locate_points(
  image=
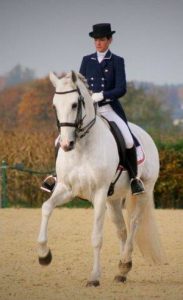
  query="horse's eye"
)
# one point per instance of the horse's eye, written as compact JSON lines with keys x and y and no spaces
{"x":74,"y":105}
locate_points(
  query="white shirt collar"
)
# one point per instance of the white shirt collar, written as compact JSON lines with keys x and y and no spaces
{"x":101,"y":55}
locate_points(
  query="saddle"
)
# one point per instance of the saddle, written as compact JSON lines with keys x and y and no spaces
{"x":119,"y":141}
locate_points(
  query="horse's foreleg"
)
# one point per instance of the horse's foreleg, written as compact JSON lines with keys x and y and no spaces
{"x":61,"y":195}
{"x":97,"y":235}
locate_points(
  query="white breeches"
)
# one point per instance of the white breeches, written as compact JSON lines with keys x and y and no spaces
{"x":110,"y":115}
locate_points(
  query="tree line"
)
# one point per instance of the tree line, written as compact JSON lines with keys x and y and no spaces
{"x":28,"y":129}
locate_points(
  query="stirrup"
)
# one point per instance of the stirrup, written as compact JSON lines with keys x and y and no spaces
{"x":137,"y":186}
{"x":48,"y":184}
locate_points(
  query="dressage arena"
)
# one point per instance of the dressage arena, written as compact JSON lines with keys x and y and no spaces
{"x":22,"y":278}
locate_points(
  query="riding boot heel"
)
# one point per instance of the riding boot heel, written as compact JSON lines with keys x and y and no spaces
{"x":137,"y":186}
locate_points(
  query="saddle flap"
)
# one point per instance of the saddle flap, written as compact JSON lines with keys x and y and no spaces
{"x":119,"y":141}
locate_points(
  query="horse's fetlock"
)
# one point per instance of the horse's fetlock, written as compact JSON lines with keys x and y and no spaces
{"x":95,"y":275}
{"x":43,"y":249}
{"x":97,"y":243}
{"x":125,"y":267}
{"x":122,"y":234}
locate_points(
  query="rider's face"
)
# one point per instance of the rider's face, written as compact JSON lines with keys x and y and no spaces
{"x":102,"y":44}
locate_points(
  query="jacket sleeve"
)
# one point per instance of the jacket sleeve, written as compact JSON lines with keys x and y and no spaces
{"x":120,"y":81}
{"x":82,"y":69}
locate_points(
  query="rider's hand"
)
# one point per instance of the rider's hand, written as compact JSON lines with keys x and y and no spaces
{"x":96,"y":97}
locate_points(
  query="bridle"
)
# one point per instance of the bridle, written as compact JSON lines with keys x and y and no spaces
{"x":79,"y":131}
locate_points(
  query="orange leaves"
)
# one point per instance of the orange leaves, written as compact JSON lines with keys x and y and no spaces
{"x":169,"y":188}
{"x":35,"y":108}
{"x":28,"y":106}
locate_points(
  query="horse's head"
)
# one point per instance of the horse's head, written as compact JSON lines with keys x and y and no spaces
{"x":69,"y":105}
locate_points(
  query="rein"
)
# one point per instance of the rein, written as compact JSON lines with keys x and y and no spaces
{"x":79,"y":120}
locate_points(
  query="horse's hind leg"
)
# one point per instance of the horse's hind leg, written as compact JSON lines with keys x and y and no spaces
{"x":61,"y":195}
{"x":138,"y":205}
{"x":114,"y":208}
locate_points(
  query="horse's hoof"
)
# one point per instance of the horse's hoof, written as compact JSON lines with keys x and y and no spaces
{"x":94,"y":283}
{"x":120,"y":278}
{"x":44,"y":261}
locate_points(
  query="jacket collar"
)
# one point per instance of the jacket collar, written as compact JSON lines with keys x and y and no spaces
{"x":107,"y":56}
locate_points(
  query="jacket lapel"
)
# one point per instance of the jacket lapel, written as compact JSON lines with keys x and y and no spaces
{"x":98,"y":67}
{"x":94,"y":57}
{"x":108,"y":55}
{"x":106,"y":60}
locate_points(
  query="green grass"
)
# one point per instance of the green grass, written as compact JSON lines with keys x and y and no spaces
{"x":78,"y":203}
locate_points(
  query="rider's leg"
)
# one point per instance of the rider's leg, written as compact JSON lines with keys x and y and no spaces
{"x":137,"y":186}
{"x":131,"y":156}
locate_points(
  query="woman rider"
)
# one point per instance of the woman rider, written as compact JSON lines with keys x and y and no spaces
{"x":105,"y":74}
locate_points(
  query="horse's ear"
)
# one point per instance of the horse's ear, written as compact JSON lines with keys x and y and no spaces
{"x":74,"y":77}
{"x":53,"y":78}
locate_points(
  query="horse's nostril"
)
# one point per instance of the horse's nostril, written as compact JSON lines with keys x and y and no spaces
{"x":71,"y":144}
{"x":67,"y":146}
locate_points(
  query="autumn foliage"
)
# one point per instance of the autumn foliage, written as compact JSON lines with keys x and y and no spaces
{"x":35,"y":109}
{"x":27,"y":106}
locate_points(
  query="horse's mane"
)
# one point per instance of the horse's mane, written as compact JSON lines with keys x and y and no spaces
{"x":84,"y":81}
{"x":80,"y":77}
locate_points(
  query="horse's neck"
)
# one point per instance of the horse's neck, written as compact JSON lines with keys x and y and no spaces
{"x":97,"y":132}
{"x":89,"y":107}
{"x":94,"y":138}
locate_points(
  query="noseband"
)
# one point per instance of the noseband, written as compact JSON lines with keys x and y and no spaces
{"x":79,"y":120}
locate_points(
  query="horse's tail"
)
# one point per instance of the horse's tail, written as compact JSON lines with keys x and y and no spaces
{"x":147,"y":236}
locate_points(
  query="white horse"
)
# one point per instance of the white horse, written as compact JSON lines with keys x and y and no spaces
{"x":87,"y":172}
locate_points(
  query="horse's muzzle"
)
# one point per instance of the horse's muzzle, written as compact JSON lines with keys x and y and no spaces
{"x":67,"y":146}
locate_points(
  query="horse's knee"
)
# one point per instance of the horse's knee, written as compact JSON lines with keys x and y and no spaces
{"x":47,"y":208}
{"x":134,"y":223}
{"x":97,"y":240}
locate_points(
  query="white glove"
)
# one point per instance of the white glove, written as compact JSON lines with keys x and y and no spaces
{"x":96,"y":97}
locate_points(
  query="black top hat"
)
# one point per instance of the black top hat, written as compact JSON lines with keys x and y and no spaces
{"x":101,"y":30}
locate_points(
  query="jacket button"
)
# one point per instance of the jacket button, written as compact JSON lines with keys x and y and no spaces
{"x":106,"y":70}
{"x":103,"y":78}
{"x":92,"y":84}
{"x":102,"y":85}
{"x":91,"y":78}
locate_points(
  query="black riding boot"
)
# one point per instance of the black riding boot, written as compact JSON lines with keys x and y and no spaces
{"x":49,"y":182}
{"x":137,"y":186}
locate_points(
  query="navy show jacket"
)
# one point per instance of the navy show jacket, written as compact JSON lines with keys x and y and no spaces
{"x":108,"y":77}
